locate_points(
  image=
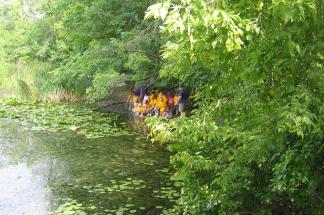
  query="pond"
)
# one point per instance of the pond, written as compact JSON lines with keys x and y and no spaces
{"x":46,"y":172}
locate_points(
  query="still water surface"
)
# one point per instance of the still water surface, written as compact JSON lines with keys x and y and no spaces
{"x":44,"y":172}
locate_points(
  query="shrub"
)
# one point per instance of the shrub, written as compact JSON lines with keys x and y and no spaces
{"x":103,"y":83}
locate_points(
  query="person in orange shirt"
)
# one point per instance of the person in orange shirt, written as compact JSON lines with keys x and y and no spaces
{"x":135,"y":103}
{"x":152,"y":100}
{"x":162,"y":103}
{"x":162,"y":106}
{"x":130,"y":101}
{"x":176,"y":101}
{"x":152,"y":104}
{"x":141,"y":110}
{"x":138,"y":109}
{"x":163,"y":96}
{"x":135,"y":107}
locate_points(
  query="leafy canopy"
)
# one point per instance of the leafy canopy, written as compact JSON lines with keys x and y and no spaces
{"x":254,"y":143}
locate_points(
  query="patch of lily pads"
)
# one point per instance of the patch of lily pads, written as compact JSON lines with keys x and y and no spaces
{"x":117,"y":186}
{"x":81,"y":119}
{"x":123,"y":189}
{"x":72,"y":207}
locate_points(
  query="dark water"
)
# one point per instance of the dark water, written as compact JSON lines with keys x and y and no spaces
{"x":61,"y":173}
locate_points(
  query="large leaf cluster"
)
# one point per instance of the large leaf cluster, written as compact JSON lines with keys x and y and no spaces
{"x":254,"y":143}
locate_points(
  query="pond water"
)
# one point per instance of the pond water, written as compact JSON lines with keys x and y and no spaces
{"x":44,"y":172}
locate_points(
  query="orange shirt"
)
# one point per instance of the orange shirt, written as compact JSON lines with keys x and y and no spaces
{"x":138,"y":108}
{"x":162,"y":102}
{"x":135,"y":99}
{"x":152,"y":101}
{"x":176,"y":99}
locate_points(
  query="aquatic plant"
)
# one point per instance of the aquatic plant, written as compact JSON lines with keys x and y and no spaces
{"x":81,"y":119}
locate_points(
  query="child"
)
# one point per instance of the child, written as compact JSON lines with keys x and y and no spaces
{"x":182,"y":103}
{"x":156,"y":110}
{"x":138,"y":108}
{"x":146,"y":98}
{"x":130,"y":99}
{"x":162,"y":105}
{"x":135,"y":99}
{"x":135,"y":107}
{"x":176,"y":105}
{"x":146,"y":108}
{"x":170,"y":102}
{"x":168,"y":113}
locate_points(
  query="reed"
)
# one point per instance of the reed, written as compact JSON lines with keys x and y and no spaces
{"x":23,"y":89}
{"x":59,"y":95}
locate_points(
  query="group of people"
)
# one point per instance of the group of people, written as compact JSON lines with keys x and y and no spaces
{"x":143,"y":102}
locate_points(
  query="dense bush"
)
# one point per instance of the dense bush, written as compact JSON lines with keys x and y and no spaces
{"x":103,"y":84}
{"x":254,"y":143}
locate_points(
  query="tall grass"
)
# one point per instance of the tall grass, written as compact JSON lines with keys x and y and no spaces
{"x":30,"y":81}
{"x":24,"y":89}
{"x":6,"y":69}
{"x":24,"y":78}
{"x":59,"y":95}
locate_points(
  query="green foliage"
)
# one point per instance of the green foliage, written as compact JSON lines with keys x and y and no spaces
{"x":254,"y":142}
{"x":81,"y":40}
{"x":103,"y":83}
{"x":142,"y":66}
{"x":95,"y":38}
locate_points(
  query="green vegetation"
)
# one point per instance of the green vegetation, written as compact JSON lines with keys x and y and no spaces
{"x":50,"y":49}
{"x":254,"y":143}
{"x":254,"y":140}
{"x":63,"y":117}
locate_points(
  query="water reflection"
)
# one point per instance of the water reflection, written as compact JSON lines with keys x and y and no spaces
{"x":43,"y":171}
{"x":22,"y":192}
